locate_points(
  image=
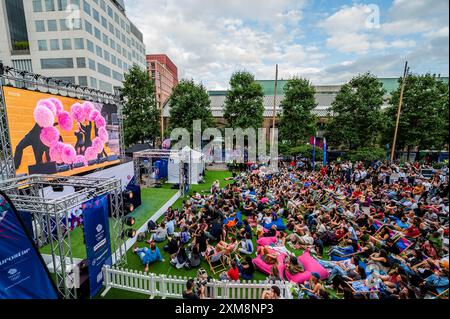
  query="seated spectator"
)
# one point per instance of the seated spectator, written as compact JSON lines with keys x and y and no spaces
{"x":149,"y":255}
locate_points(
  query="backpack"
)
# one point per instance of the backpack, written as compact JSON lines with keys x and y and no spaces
{"x":151,"y":225}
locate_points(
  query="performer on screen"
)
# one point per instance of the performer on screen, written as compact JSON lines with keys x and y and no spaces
{"x":103,"y":153}
{"x":87,"y":132}
{"x":39,"y":149}
{"x":79,"y":146}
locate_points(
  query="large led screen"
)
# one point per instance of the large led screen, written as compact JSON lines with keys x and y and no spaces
{"x":52,"y":134}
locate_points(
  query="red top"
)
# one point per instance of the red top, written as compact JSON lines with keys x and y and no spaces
{"x":233,"y":274}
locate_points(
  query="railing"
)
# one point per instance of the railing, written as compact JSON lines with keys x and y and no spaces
{"x":173,"y":286}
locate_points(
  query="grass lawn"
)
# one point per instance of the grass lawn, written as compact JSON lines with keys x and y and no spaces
{"x":165,"y":268}
{"x":152,"y":200}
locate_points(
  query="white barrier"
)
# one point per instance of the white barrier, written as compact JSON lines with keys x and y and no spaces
{"x":173,"y":286}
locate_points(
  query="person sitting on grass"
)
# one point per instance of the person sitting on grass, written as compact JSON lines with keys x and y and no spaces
{"x":159,"y":234}
{"x":247,"y":229}
{"x":246,"y":268}
{"x":247,"y":245}
{"x":180,"y":258}
{"x":149,"y":255}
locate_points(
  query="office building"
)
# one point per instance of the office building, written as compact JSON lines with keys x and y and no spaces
{"x":165,"y":75}
{"x":87,"y":42}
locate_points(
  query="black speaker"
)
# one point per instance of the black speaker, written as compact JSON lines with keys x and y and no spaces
{"x":46,"y":168}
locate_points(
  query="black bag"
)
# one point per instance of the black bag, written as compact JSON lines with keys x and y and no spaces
{"x":141,"y":237}
{"x":151,"y":225}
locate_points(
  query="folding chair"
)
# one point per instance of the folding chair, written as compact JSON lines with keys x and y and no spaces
{"x":216,"y":262}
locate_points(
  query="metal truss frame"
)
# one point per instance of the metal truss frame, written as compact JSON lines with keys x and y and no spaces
{"x":29,"y":81}
{"x":27,"y":194}
{"x":150,"y":154}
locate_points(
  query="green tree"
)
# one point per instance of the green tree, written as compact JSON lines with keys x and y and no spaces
{"x":141,"y":116}
{"x":424,"y":115}
{"x":244,"y":102}
{"x":189,"y":102}
{"x":357,"y":119}
{"x":297,"y":120}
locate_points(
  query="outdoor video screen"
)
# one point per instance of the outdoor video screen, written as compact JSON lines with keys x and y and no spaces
{"x":52,"y":134}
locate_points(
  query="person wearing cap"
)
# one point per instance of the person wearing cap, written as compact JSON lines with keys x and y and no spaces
{"x":313,"y":286}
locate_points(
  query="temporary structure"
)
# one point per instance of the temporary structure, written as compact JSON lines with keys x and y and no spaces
{"x":193,"y":159}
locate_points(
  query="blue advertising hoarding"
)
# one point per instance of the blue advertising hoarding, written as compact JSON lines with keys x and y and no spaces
{"x":23,"y":273}
{"x":98,"y":243}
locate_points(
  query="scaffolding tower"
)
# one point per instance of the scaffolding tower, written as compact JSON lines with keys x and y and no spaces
{"x":28,"y":195}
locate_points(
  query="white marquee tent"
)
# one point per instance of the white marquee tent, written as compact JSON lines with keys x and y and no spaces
{"x":196,"y":161}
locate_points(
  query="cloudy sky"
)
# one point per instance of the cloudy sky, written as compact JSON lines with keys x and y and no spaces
{"x":327,"y":41}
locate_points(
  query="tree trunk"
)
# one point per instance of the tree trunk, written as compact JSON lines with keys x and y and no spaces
{"x":408,"y":152}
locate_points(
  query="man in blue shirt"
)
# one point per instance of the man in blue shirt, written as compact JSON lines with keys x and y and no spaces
{"x":149,"y":255}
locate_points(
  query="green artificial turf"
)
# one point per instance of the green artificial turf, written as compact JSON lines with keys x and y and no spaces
{"x":152,"y":200}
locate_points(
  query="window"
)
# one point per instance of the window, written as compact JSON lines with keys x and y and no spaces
{"x":103,"y":69}
{"x":81,"y":63}
{"x":92,"y":65}
{"x":117,"y":76}
{"x":112,"y":44}
{"x":63,"y":25}
{"x":67,"y":44}
{"x":119,"y":63}
{"x":98,"y":34}
{"x":52,"y":25}
{"x":104,"y":22}
{"x":88,"y":26}
{"x":90,"y":46}
{"x":96,"y":15}
{"x":79,"y":43}
{"x":105,"y":86}
{"x":106,"y":55}
{"x":86,"y":7}
{"x":110,"y":12}
{"x":49,"y":5}
{"x":37,"y":5}
{"x":61,"y":63}
{"x":105,"y":39}
{"x":42,"y":45}
{"x":103,"y":5}
{"x":62,"y":5}
{"x":93,"y":82}
{"x":75,"y":3}
{"x":40,"y":25}
{"x":116,"y":18}
{"x":82,"y":80}
{"x":99,"y":51}
{"x":111,"y":28}
{"x":113,"y":59}
{"x":76,"y":23}
{"x":54,"y":44}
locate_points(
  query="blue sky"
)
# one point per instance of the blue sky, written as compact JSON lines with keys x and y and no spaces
{"x":327,"y":42}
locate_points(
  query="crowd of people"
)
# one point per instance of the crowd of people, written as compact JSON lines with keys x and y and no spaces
{"x":379,"y":230}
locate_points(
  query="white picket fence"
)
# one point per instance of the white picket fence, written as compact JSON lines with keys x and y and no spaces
{"x":173,"y":286}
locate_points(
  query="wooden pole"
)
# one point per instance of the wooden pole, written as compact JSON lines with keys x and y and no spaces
{"x":400,"y":102}
{"x":274,"y":115}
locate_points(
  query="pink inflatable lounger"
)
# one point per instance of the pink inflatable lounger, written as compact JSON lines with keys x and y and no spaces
{"x":311,"y":265}
{"x":265,"y":268}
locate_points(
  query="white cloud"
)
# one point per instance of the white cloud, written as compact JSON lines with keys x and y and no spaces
{"x":209,"y":40}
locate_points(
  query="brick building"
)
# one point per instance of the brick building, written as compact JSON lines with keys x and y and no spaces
{"x":165,"y":75}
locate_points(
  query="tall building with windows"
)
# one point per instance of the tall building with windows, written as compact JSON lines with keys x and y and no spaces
{"x":87,"y":42}
{"x":165,"y":75}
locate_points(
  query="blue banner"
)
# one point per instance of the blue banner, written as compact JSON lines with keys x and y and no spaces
{"x":23,"y":273}
{"x":324,"y":151}
{"x":98,"y":243}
